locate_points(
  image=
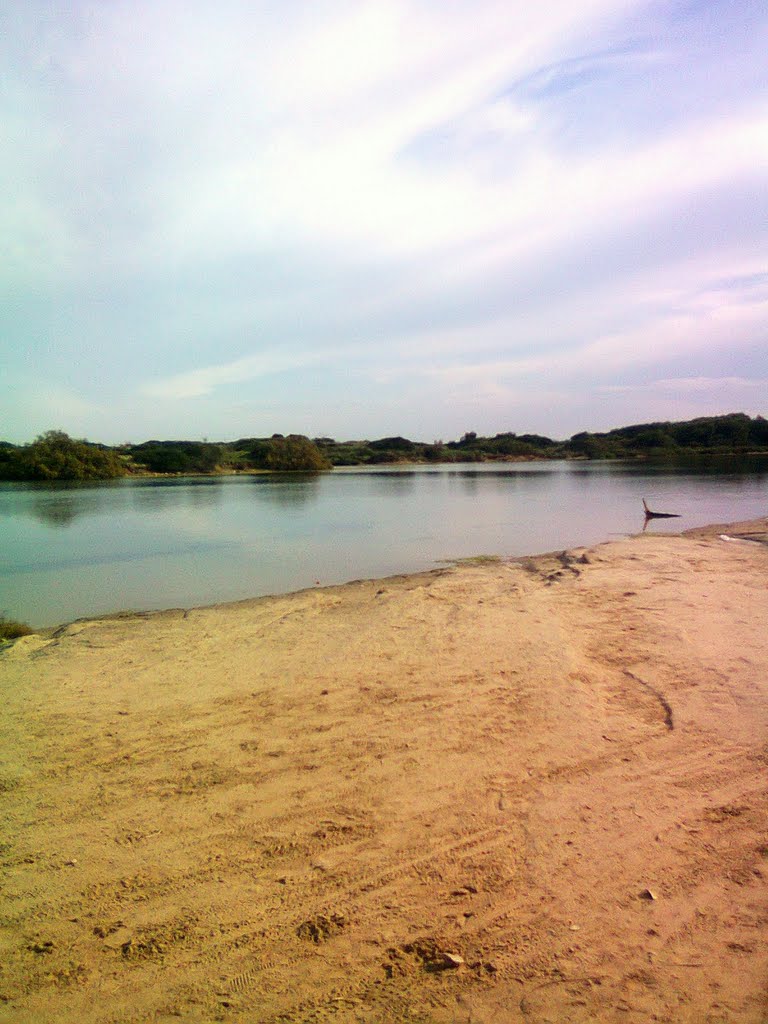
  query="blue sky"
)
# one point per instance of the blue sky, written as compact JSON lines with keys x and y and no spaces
{"x":357,"y":219}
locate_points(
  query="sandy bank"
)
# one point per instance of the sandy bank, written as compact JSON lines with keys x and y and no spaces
{"x":513,"y":791}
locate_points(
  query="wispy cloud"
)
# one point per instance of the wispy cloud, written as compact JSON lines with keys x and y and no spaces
{"x":207,"y":379}
{"x":686,"y":385}
{"x":212,"y":204}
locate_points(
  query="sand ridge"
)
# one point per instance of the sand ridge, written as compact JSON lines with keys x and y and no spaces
{"x":527,"y":790}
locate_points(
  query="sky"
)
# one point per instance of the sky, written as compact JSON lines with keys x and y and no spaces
{"x":359,"y":219}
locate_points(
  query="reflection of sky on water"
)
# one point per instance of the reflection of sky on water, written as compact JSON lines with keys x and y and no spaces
{"x":85,"y":550}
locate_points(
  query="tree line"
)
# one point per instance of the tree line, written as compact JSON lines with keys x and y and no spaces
{"x":56,"y":456}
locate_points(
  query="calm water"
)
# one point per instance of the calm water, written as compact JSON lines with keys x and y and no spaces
{"x":71,"y":551}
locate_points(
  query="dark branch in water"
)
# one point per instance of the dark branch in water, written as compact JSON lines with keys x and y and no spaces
{"x":658,"y":515}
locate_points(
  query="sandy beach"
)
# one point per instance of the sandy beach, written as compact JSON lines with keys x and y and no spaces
{"x":528,"y":790}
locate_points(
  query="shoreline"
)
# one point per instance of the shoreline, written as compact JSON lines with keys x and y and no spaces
{"x":755,"y":530}
{"x":514,"y":790}
{"x":682,"y":455}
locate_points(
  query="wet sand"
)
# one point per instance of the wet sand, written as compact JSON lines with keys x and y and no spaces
{"x":530,"y":790}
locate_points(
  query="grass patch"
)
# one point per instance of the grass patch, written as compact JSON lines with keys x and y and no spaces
{"x":8,"y":783}
{"x":471,"y":560}
{"x":12,"y":630}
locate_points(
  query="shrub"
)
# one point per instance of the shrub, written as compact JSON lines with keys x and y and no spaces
{"x":178,"y":456}
{"x":295,"y":453}
{"x":56,"y":456}
{"x":12,"y":630}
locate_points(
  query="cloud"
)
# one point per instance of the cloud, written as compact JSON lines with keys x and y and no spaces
{"x":289,"y":126}
{"x":210,"y":204}
{"x":690,"y":385}
{"x":302,"y":130}
{"x":194,"y":383}
{"x":576,"y":72}
{"x":605,"y":379}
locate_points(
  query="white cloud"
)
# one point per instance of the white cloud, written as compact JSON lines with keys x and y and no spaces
{"x":402,"y":167}
{"x":194,"y":383}
{"x":252,"y":129}
{"x":664,"y":338}
{"x":294,"y":129}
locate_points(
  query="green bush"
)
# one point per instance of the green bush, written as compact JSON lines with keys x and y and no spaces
{"x":12,"y":630}
{"x":295,"y":453}
{"x":177,"y":456}
{"x":56,"y":456}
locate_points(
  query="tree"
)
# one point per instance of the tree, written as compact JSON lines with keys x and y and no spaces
{"x":56,"y":456}
{"x":295,"y":453}
{"x":178,"y":456}
{"x":592,"y":446}
{"x":653,"y":438}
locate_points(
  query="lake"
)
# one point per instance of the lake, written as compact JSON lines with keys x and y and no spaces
{"x":70,"y":551}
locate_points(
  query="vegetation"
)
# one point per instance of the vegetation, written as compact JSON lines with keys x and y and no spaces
{"x":12,"y":630}
{"x":470,"y":448}
{"x":735,"y":433}
{"x":55,"y":456}
{"x":292,"y":454}
{"x":176,"y":457}
{"x":295,"y":453}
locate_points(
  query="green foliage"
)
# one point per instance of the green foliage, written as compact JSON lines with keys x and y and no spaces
{"x":295,"y":453}
{"x":56,"y":456}
{"x":258,"y":453}
{"x":12,"y":630}
{"x":437,"y":452}
{"x":590,"y":446}
{"x":648,"y":439}
{"x":758,"y":432}
{"x":345,"y":453}
{"x":719,"y":434}
{"x":7,"y":459}
{"x":471,"y":448}
{"x":710,"y":435}
{"x":393,"y":444}
{"x":177,"y":456}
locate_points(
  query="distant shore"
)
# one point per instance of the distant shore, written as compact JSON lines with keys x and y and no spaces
{"x":398,"y":464}
{"x":56,"y":455}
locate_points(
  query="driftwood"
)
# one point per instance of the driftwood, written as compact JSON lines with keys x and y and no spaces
{"x":659,"y":515}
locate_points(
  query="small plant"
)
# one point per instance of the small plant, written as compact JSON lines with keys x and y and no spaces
{"x":470,"y":560}
{"x":12,"y":630}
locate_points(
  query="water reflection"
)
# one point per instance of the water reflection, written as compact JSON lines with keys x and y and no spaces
{"x":752,"y":467}
{"x":714,"y":465}
{"x":470,"y":483}
{"x":61,"y":504}
{"x":290,"y":490}
{"x":183,"y":541}
{"x":161,"y":495}
{"x":513,"y":470}
{"x":397,"y":483}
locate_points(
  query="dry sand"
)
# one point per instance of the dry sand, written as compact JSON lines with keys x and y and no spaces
{"x":507,"y":791}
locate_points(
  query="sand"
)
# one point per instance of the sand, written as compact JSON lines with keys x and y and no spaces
{"x":529,"y":790}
